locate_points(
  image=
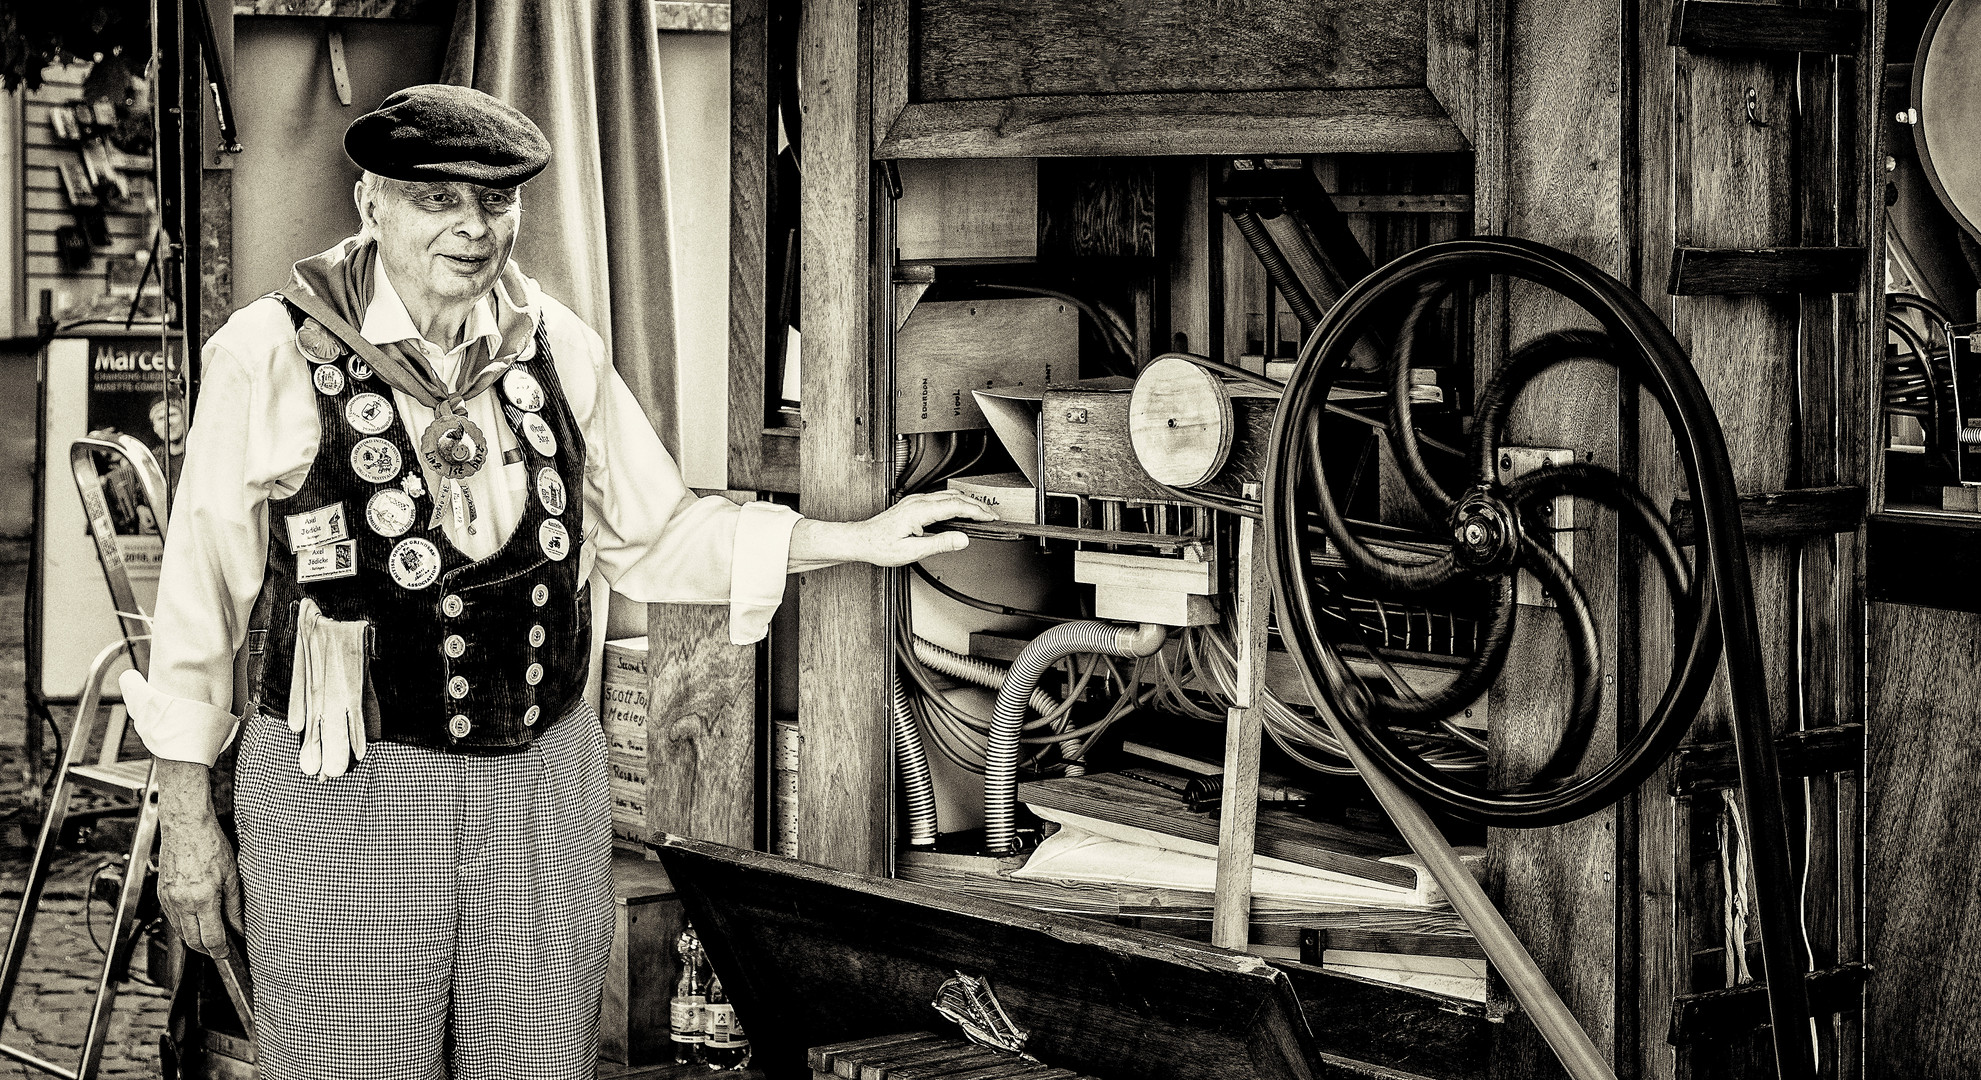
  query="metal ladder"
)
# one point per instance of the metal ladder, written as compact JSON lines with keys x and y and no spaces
{"x":135,"y":779}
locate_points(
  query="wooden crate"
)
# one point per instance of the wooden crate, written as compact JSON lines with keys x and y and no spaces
{"x":639,"y":980}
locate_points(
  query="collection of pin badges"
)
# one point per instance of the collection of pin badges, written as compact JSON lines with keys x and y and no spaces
{"x":453,"y":447}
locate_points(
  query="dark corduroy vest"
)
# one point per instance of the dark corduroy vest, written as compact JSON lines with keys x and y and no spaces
{"x":490,"y":652}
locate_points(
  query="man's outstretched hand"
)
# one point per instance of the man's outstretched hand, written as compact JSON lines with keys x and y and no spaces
{"x":896,"y":536}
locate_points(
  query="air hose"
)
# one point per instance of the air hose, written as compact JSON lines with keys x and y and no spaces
{"x":912,"y":759}
{"x":984,"y":673}
{"x":1008,"y":717}
{"x":1493,"y":538}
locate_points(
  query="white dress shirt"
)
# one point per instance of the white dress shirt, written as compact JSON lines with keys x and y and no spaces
{"x":254,"y":438}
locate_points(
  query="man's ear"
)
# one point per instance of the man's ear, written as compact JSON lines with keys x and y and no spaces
{"x":363,"y":204}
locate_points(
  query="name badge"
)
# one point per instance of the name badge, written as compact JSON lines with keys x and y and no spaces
{"x":327,"y":561}
{"x":323,"y":525}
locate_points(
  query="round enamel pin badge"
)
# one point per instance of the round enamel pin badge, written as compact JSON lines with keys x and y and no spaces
{"x":375,"y":460}
{"x":360,"y":371}
{"x":554,"y":539}
{"x":523,"y":390}
{"x":329,"y":379}
{"x":550,"y":490}
{"x":317,"y":342}
{"x":537,"y":431}
{"x":415,"y":563}
{"x":390,"y":512}
{"x":369,"y":413}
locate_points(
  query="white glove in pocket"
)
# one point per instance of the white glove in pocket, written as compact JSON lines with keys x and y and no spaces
{"x":327,"y":691}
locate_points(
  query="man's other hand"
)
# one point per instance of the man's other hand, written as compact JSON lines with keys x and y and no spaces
{"x":896,"y":536}
{"x":199,"y":885}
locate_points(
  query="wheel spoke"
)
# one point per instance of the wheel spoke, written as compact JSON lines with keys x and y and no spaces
{"x":1363,"y":561}
{"x":1585,"y":659}
{"x":1523,"y":367}
{"x":1402,"y":429}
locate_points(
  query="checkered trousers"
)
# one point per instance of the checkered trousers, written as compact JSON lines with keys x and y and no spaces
{"x":428,"y":914}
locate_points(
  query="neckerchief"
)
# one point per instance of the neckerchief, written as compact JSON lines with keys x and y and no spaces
{"x":336,"y":287}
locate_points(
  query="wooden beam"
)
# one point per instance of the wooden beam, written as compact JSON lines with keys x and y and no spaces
{"x":752,"y":149}
{"x":1716,"y":24}
{"x":1705,"y":767}
{"x":845,"y":788}
{"x":1093,"y":125}
{"x":1718,"y":1014}
{"x":1697,"y":271}
{"x":1231,"y":915}
{"x":1799,"y":514}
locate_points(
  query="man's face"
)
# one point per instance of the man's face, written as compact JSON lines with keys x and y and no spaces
{"x":167,"y":422}
{"x":444,"y":243}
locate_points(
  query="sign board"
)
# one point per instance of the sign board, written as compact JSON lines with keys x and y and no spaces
{"x":105,"y":385}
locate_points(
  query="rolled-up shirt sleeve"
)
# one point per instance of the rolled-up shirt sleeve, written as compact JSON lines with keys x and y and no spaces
{"x":215,"y":555}
{"x":656,"y":542}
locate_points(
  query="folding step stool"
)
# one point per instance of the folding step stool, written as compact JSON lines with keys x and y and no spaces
{"x":134,"y":779}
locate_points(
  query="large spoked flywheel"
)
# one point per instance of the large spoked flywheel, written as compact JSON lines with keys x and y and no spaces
{"x":1497,"y":528}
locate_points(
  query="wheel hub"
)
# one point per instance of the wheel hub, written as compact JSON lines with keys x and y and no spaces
{"x":1483,"y":533}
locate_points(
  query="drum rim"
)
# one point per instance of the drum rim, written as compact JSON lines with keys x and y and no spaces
{"x":1924,"y":152}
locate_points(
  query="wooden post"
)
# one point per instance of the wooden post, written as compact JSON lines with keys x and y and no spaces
{"x":1231,"y":914}
{"x":844,"y":650}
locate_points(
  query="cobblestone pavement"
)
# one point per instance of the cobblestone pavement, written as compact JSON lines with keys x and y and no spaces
{"x":58,"y":982}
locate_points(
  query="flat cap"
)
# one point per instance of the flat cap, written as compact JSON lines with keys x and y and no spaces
{"x":437,"y":133}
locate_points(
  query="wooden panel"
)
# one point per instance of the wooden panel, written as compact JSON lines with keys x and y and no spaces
{"x":640,"y":976}
{"x":1718,"y":24}
{"x":845,"y":784}
{"x":1562,"y":154}
{"x":701,"y":726}
{"x":975,"y":49}
{"x":1731,"y":272}
{"x":1786,"y":515}
{"x":1262,"y":122}
{"x":752,"y":146}
{"x":968,"y":210}
{"x":1923,"y":842}
{"x":947,"y":349}
{"x":1104,"y":208}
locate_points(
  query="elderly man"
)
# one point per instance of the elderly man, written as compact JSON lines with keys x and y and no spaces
{"x":403,"y":471}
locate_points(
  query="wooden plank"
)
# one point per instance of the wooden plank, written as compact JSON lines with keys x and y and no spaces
{"x":779,"y":456}
{"x":893,"y":40}
{"x":1435,"y":203}
{"x":1861,"y":344}
{"x":1451,"y":61}
{"x":845,"y":788}
{"x":1922,"y":842}
{"x":1719,"y":24}
{"x":977,"y":49}
{"x":1699,"y":271}
{"x":1797,"y":514}
{"x":1698,"y":768}
{"x":968,"y":210}
{"x":1719,"y":1014}
{"x":1244,"y":731}
{"x":428,"y":11}
{"x":1282,"y":834}
{"x":1562,"y":149}
{"x":752,"y":149}
{"x":701,"y":726}
{"x":1199,"y":578}
{"x":1261,"y":122}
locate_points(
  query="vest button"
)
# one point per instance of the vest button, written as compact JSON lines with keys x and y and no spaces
{"x":451,"y":606}
{"x":530,"y":715}
{"x":540,"y":595}
{"x":454,"y":646}
{"x":459,"y":726}
{"x":458,"y":686}
{"x":536,"y":636}
{"x":534,"y":675}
